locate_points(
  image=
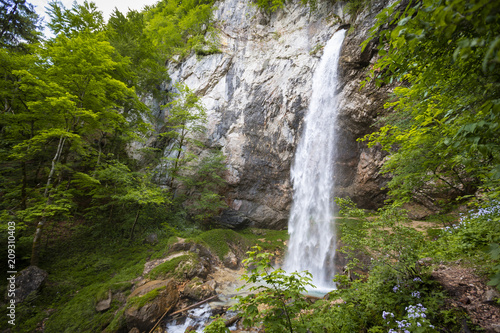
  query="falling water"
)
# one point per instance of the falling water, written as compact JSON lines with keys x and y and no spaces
{"x":311,"y":227}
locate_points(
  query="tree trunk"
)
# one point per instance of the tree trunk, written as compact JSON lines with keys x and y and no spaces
{"x":23,"y":188}
{"x":60,"y":146}
{"x":135,"y":222}
{"x":35,"y":249}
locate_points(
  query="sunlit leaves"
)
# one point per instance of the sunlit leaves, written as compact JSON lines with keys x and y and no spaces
{"x":446,"y":113}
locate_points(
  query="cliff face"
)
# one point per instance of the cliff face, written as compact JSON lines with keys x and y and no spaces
{"x":257,"y":91}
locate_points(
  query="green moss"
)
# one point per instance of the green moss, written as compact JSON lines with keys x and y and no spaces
{"x":170,"y":268}
{"x":79,"y":314}
{"x":218,"y":239}
{"x":267,"y":239}
{"x":117,"y":323}
{"x":140,"y":301}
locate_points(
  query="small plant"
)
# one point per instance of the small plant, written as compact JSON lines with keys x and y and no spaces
{"x":216,"y":326}
{"x":278,"y":301}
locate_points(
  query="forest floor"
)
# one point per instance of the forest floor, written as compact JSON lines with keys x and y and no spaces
{"x":470,"y":293}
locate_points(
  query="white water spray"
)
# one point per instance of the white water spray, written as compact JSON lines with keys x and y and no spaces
{"x":311,"y":226}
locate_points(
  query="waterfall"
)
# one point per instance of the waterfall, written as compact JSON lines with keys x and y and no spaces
{"x":311,"y":226}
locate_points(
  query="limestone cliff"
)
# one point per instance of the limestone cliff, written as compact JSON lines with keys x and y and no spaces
{"x":257,"y":90}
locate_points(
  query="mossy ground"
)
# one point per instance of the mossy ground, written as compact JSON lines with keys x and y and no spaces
{"x":83,"y":268}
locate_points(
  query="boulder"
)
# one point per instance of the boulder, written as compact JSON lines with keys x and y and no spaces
{"x":105,"y":304}
{"x":231,"y":219}
{"x":148,"y":303}
{"x":491,"y":296}
{"x":231,"y":261}
{"x":151,"y":239}
{"x":198,"y":291}
{"x":29,"y":280}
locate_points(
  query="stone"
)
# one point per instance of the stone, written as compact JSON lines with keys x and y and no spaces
{"x":105,"y":304}
{"x":144,"y":317}
{"x":231,"y":261}
{"x":199,"y":291}
{"x":151,"y":239}
{"x":28,"y":281}
{"x":231,"y":219}
{"x":134,"y":330}
{"x":491,"y":296}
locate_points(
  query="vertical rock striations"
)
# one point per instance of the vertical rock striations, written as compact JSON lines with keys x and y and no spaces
{"x":257,"y":90}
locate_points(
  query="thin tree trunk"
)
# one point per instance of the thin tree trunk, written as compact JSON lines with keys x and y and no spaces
{"x":60,"y":146}
{"x":35,"y":250}
{"x":23,"y":188}
{"x":135,"y":222}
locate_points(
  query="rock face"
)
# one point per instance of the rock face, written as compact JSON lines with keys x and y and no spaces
{"x":144,"y":317}
{"x":257,"y":90}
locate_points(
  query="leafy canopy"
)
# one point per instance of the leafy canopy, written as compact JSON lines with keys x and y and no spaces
{"x":446,"y":56}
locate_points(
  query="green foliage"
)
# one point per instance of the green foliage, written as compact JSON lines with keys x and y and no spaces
{"x":354,"y":7}
{"x":139,"y":301}
{"x":80,"y":18}
{"x":274,"y":5}
{"x":19,"y":24}
{"x":280,"y":293}
{"x":204,"y":181}
{"x":177,"y":26}
{"x":185,"y":120}
{"x":386,"y":238}
{"x":128,"y":35}
{"x":216,"y":326}
{"x":446,"y":112}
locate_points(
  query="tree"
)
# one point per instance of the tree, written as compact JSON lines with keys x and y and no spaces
{"x":127,"y":34}
{"x":18,"y":22}
{"x":177,"y":26}
{"x":446,"y":120}
{"x":80,"y":18}
{"x":203,"y":181}
{"x":73,"y":115}
{"x":185,"y":120}
{"x":446,"y":113}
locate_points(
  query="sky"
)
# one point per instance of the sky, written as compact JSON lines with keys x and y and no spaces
{"x":106,"y":6}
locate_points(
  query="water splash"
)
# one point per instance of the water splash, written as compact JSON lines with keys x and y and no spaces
{"x":311,"y":227}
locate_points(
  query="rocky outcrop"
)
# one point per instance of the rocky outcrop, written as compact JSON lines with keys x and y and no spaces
{"x":257,"y":90}
{"x":149,"y":302}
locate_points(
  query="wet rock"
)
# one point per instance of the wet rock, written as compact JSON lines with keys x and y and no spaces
{"x":28,"y":281}
{"x":196,"y":268}
{"x":160,"y":296}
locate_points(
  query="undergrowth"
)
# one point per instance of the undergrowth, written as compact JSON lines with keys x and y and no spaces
{"x":85,"y":267}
